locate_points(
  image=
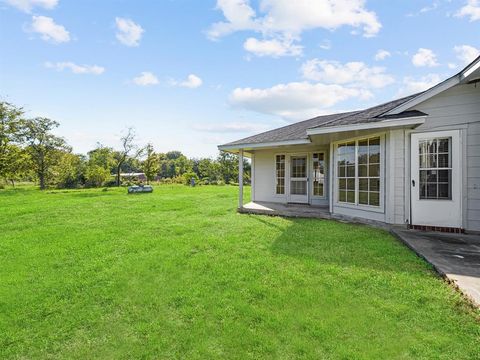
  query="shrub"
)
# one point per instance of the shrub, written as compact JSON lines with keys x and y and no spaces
{"x":96,"y":175}
{"x":187,"y":177}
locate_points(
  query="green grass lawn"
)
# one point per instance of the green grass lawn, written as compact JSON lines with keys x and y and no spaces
{"x":178,"y":274}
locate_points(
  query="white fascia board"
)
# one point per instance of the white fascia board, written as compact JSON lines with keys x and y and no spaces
{"x":469,"y":71}
{"x":263,"y":145}
{"x":417,"y":120}
{"x":437,"y":89}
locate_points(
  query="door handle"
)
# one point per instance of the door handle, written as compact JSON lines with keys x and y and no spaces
{"x":413,"y":183}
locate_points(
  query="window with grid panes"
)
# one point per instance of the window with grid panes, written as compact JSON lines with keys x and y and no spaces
{"x":280,"y":174}
{"x":358,"y":171}
{"x":318,"y":174}
{"x":346,"y":172}
{"x":368,"y":156}
{"x":435,"y":168}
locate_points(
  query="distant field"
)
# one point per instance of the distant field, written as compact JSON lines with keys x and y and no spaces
{"x":179,"y":274}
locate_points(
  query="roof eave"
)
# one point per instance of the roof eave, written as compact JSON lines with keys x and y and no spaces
{"x":247,"y":146}
{"x":437,"y":89}
{"x":407,"y":122}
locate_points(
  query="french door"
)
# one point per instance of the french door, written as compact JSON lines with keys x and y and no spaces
{"x":298,"y":179}
{"x":436,"y":179}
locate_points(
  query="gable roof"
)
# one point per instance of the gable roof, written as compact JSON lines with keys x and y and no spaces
{"x":468,"y":73}
{"x":387,"y":113}
{"x":298,"y":131}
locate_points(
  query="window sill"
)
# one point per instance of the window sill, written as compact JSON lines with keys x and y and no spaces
{"x":377,"y":209}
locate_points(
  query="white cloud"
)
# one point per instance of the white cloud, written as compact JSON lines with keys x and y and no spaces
{"x":273,"y":47}
{"x":286,"y":19}
{"x":466,"y":53}
{"x":235,"y":127}
{"x":239,"y":16}
{"x":293,"y":17}
{"x":356,"y":74}
{"x":192,"y":82}
{"x":425,"y":9}
{"x":382,"y":55}
{"x":76,"y":69}
{"x":295,"y":100}
{"x":128,"y":32}
{"x":452,"y":66}
{"x":424,"y":57}
{"x":471,"y":10}
{"x":412,"y":85}
{"x":49,"y":30}
{"x":145,"y":79}
{"x":28,"y":5}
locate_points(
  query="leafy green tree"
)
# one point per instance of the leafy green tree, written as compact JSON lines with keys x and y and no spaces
{"x":188,"y":176}
{"x":100,"y":166}
{"x":173,"y":155}
{"x":11,"y":133}
{"x":70,"y":170}
{"x":44,"y":147}
{"x":96,"y":175}
{"x":209,"y":169}
{"x":229,"y":167}
{"x":151,"y":164}
{"x":103,"y":157}
{"x":182,"y":165}
{"x":16,"y":164}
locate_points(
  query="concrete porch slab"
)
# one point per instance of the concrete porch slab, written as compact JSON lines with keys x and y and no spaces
{"x":454,"y":256}
{"x":287,"y":210}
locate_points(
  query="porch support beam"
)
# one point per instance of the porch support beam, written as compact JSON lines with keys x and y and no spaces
{"x":240,"y":178}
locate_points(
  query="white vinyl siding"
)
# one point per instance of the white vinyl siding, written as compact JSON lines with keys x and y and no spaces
{"x":473,"y":176}
{"x":459,"y":108}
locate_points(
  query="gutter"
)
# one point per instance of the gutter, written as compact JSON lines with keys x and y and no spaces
{"x":246,"y":146}
{"x":412,"y":121}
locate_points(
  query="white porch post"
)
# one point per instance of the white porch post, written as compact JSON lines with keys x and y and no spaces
{"x":240,"y":178}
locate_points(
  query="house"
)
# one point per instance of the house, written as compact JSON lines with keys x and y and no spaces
{"x":414,"y":161}
{"x":140,"y":176}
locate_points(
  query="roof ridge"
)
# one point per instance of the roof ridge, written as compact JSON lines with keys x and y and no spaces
{"x":297,"y":123}
{"x":347,"y":114}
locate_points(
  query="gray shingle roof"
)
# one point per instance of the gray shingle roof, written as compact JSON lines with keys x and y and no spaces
{"x":298,"y":131}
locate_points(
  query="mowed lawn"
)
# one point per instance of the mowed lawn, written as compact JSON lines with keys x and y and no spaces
{"x":178,"y":274}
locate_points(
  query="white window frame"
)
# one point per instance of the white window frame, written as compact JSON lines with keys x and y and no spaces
{"x":284,"y":195}
{"x":356,"y":205}
{"x":325,"y":175}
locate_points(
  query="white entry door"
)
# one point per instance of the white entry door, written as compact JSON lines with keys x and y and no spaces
{"x":298,"y":179}
{"x":436,"y":179}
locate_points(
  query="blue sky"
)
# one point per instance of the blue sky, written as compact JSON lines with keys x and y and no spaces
{"x":189,"y":75}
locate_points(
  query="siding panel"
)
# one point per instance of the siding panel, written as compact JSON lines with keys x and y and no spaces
{"x":459,"y":107}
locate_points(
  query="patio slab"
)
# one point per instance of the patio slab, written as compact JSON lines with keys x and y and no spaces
{"x":287,"y":210}
{"x":454,"y":256}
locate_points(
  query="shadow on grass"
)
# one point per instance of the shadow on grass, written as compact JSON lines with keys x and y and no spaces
{"x":345,"y":245}
{"x":14,"y":191}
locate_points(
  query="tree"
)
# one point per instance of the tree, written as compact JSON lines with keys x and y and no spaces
{"x":96,"y":175}
{"x":100,"y":165}
{"x":11,"y":134}
{"x":209,"y":169}
{"x":150,"y":164}
{"x":128,"y":147}
{"x":70,"y":170}
{"x":43,"y":147}
{"x":16,"y":164}
{"x":229,"y":167}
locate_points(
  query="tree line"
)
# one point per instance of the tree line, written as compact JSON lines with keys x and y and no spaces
{"x":30,"y":151}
